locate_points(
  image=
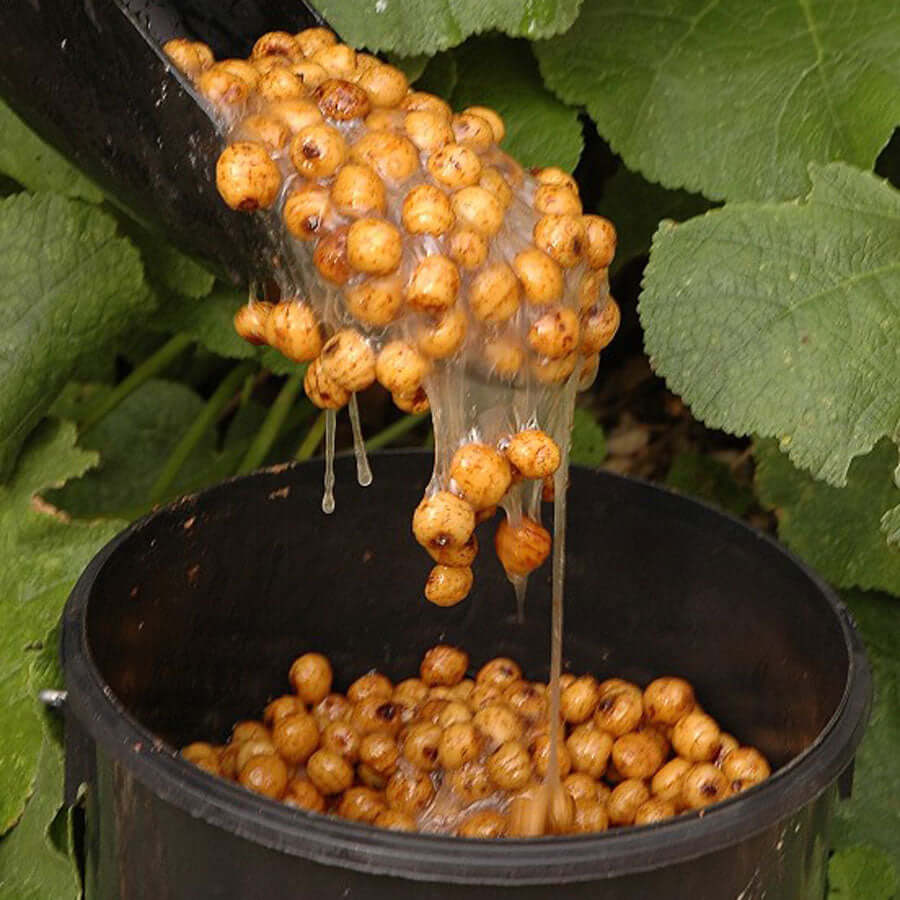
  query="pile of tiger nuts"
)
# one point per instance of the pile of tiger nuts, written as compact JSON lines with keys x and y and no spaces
{"x":449,"y":754}
{"x":412,"y":251}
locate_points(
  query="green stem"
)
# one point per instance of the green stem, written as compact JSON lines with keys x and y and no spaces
{"x":312,"y":440}
{"x":149,"y":368}
{"x":394,"y":431}
{"x":271,"y":426}
{"x":207,"y":418}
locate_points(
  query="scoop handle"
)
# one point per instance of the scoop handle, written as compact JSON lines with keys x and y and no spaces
{"x":90,"y":77}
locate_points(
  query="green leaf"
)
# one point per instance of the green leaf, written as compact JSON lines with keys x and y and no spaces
{"x":34,"y":858}
{"x":134,"y":441}
{"x":411,"y":66}
{"x":502,"y":73}
{"x":41,"y":554}
{"x":68,"y":286}
{"x":784,"y":319}
{"x":861,"y":873}
{"x":36,"y":165}
{"x":637,"y":206}
{"x":410,"y":27}
{"x":440,"y":76}
{"x":176,"y":272}
{"x":872,"y":815}
{"x":836,"y":529}
{"x":733,"y":99}
{"x":699,"y":475}
{"x":208,"y":321}
{"x":588,"y":440}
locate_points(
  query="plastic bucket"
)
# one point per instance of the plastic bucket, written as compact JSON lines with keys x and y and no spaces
{"x":189,"y":620}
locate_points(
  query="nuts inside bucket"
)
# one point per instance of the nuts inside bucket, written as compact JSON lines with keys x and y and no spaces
{"x":465,"y":750}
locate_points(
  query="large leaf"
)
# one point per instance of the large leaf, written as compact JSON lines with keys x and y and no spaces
{"x":836,"y":529}
{"x":68,"y":285}
{"x":36,"y":165}
{"x":733,"y":99}
{"x":502,"y":73}
{"x":637,"y":206}
{"x":134,"y":441}
{"x":32,"y":866}
{"x":861,"y":873}
{"x":588,"y":440}
{"x":784,"y":319}
{"x":41,"y":554}
{"x":410,"y":27}
{"x":872,"y":814}
{"x":699,"y":475}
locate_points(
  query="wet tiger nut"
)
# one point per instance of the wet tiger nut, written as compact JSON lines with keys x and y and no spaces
{"x":342,"y":100}
{"x":361,"y":804}
{"x":434,"y":284}
{"x":375,"y":301}
{"x":589,"y":749}
{"x":400,"y":368}
{"x":494,"y":294}
{"x":481,"y":474}
{"x":625,"y":800}
{"x":250,"y":322}
{"x":374,"y":246}
{"x":318,"y":151}
{"x":579,"y":700}
{"x":292,"y":329}
{"x":323,"y":391}
{"x":599,"y":325}
{"x":703,"y":784}
{"x":342,"y":738}
{"x":600,"y":235}
{"x":666,"y":700}
{"x":555,"y":334}
{"x":509,"y":767}
{"x":331,"y":257}
{"x":696,"y":737}
{"x":296,"y":737}
{"x":247,"y":177}
{"x":265,"y":774}
{"x":444,"y":665}
{"x":329,"y":772}
{"x":348,"y":359}
{"x":638,"y":755}
{"x":522,"y":547}
{"x":442,"y":520}
{"x":358,"y":190}
{"x":533,"y":453}
{"x":484,"y":824}
{"x":541,"y":277}
{"x":303,"y":794}
{"x":448,"y":585}
{"x":427,"y":210}
{"x":410,"y":792}
{"x":311,"y":677}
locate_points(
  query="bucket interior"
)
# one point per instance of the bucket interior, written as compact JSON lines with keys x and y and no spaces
{"x":196,"y":617}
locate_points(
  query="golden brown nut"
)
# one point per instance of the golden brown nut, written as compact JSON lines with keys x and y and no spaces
{"x":395,"y":820}
{"x":342,"y":100}
{"x":625,"y":800}
{"x":473,"y":131}
{"x":329,"y":772}
{"x":467,"y":248}
{"x":296,"y":114}
{"x":619,"y":709}
{"x":443,"y":520}
{"x":498,"y":724}
{"x":372,"y":684}
{"x":333,"y":708}
{"x":599,"y":325}
{"x":444,"y":665}
{"x":666,"y":700}
{"x":533,"y":453}
{"x":249,"y":731}
{"x":292,"y":329}
{"x":522,"y":547}
{"x":654,"y":810}
{"x":590,"y":815}
{"x":361,"y":804}
{"x":374,"y":246}
{"x":338,"y":60}
{"x":455,"y":166}
{"x":561,"y":237}
{"x":492,"y":117}
{"x":703,"y":784}
{"x":375,"y":301}
{"x":400,"y":368}
{"x":204,"y":756}
{"x":331,"y":257}
{"x":745,"y":767}
{"x":638,"y":754}
{"x":391,"y":155}
{"x":557,"y":199}
{"x":311,"y":40}
{"x":667,"y":782}
{"x":481,"y":474}
{"x":422,"y":100}
{"x":434,"y":284}
{"x":509,"y":767}
{"x":348,"y":359}
{"x":581,"y":787}
{"x":318,"y":151}
{"x":311,"y":676}
{"x":443,"y":336}
{"x":357,"y":190}
{"x":484,"y":824}
{"x":342,"y":738}
{"x":459,"y":744}
{"x":428,"y":130}
{"x":540,"y":756}
{"x":410,"y":792}
{"x":385,"y":85}
{"x":696,"y":737}
{"x":191,"y":57}
{"x":380,"y":752}
{"x":420,"y":745}
{"x":427,"y":210}
{"x":280,"y":83}
{"x":323,"y":391}
{"x":414,"y":403}
{"x":555,"y":334}
{"x":541,"y":277}
{"x":222,"y":88}
{"x":265,"y":774}
{"x":272,"y":133}
{"x":579,"y":700}
{"x":250,"y":322}
{"x":281,"y":707}
{"x":377,"y":714}
{"x":302,"y":794}
{"x":471,"y":783}
{"x":494,"y":294}
{"x":477,"y":208}
{"x":589,"y":749}
{"x":247,"y":177}
{"x":601,"y":241}
{"x":448,"y":585}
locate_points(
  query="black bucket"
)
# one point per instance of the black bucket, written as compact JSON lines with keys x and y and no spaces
{"x":190,"y":619}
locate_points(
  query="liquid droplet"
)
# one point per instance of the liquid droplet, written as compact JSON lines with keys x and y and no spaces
{"x":363,"y":471}
{"x":328,"y":496}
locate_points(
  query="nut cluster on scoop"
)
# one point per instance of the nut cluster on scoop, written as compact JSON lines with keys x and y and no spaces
{"x":413,"y":251}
